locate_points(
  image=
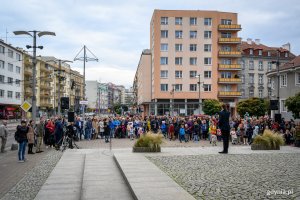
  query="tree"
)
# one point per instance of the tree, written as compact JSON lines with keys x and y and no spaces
{"x":293,"y":105}
{"x":211,"y":106}
{"x":254,"y":107}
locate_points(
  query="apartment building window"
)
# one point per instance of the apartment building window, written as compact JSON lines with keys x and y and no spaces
{"x":193,"y":20}
{"x":269,"y":66}
{"x":226,"y":21}
{"x":297,"y":78}
{"x":18,"y":95}
{"x":178,"y":47}
{"x":207,"y":34}
{"x":207,"y":47}
{"x":260,"y":93}
{"x":242,"y":93}
{"x":18,"y":70}
{"x":10,"y":67}
{"x":18,"y":57}
{"x":164,"y":33}
{"x":226,"y":48}
{"x":193,"y":87}
{"x":18,"y":82}
{"x":1,"y":93}
{"x":251,"y":64}
{"x":251,"y":92}
{"x":10,"y":80}
{"x":193,"y":61}
{"x":286,"y":54}
{"x":251,"y":78}
{"x":260,"y":79}
{"x":178,"y":34}
{"x":164,"y":87}
{"x":1,"y":64}
{"x":260,"y":65}
{"x":251,"y":51}
{"x":164,"y":20}
{"x":207,"y":87}
{"x":243,"y":64}
{"x":164,"y":74}
{"x":282,"y":105}
{"x":283,"y":80}
{"x":207,"y":61}
{"x":164,"y":47}
{"x":207,"y":21}
{"x":226,"y":35}
{"x":260,"y":52}
{"x":10,"y":53}
{"x":193,"y":74}
{"x":226,"y":74}
{"x":226,"y":61}
{"x":243,"y":78}
{"x":178,"y":60}
{"x":193,"y":34}
{"x":178,"y":87}
{"x":1,"y":79}
{"x":207,"y":74}
{"x":178,"y":74}
{"x":178,"y":20}
{"x":2,"y":49}
{"x":163,"y":60}
{"x":9,"y":94}
{"x":269,"y":93}
{"x":193,"y":47}
{"x":269,"y":53}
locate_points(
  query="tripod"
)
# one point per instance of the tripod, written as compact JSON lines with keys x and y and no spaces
{"x":66,"y":142}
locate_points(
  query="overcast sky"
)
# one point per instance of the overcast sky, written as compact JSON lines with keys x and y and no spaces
{"x":117,"y":31}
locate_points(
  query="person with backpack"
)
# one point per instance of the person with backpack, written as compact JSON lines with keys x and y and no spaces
{"x":21,"y":138}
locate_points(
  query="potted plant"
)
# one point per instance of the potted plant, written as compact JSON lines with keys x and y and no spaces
{"x":267,"y":141}
{"x":149,"y":142}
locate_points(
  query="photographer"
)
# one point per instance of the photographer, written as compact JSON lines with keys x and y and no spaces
{"x":71,"y":132}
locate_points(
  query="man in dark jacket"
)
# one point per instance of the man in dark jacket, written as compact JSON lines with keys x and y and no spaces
{"x":21,"y":138}
{"x":225,"y":127}
{"x":59,"y":130}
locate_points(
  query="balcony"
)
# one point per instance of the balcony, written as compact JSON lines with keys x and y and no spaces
{"x":28,"y":72}
{"x":45,"y":95}
{"x":231,"y":67}
{"x":230,"y":80}
{"x":232,"y":54}
{"x":28,"y":92}
{"x":230,"y":40}
{"x":229,"y":94}
{"x":229,"y":27}
{"x":45,"y":104}
{"x":44,"y":69}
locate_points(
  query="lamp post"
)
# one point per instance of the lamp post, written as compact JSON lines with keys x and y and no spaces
{"x":278,"y":79}
{"x":33,"y":34}
{"x":173,"y":97}
{"x":200,"y":100}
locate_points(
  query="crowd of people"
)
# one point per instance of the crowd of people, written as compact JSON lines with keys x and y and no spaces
{"x":50,"y":132}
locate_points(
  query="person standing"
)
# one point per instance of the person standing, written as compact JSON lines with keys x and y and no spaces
{"x":88,"y":129}
{"x":30,"y":136}
{"x":106,"y":130}
{"x":225,"y":127}
{"x":59,"y":130}
{"x":21,"y":138}
{"x":3,"y":135}
{"x":40,"y":132}
{"x":95,"y":128}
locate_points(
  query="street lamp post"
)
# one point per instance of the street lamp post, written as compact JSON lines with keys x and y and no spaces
{"x":278,"y":79}
{"x":199,"y":89}
{"x":33,"y":34}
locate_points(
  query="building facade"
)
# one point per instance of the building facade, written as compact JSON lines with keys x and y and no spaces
{"x":256,"y":62}
{"x":194,"y":56}
{"x":11,"y":70}
{"x":288,"y":85}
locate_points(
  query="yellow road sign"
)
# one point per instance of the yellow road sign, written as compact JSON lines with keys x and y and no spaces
{"x":26,"y":106}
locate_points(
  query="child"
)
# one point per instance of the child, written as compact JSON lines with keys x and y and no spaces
{"x":233,"y":136}
{"x":213,"y":134}
{"x":140,"y":131}
{"x":182,"y":133}
{"x":163,"y":129}
{"x":196,"y":132}
{"x":130,"y":130}
{"x":171,"y":132}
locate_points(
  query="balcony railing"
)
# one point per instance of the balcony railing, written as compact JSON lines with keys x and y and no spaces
{"x":230,"y":40}
{"x":230,"y":54}
{"x":230,"y":94}
{"x":229,"y":27}
{"x":28,"y":72}
{"x":231,"y":67}
{"x":230,"y":80}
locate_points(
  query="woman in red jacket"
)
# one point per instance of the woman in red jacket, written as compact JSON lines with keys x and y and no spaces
{"x":50,"y":127}
{"x":171,"y":132}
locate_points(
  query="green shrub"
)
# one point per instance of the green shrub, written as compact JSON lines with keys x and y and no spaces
{"x":149,"y":140}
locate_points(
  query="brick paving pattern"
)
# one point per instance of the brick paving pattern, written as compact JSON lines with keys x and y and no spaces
{"x":248,"y":176}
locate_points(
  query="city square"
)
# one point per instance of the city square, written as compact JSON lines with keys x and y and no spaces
{"x":149,"y":100}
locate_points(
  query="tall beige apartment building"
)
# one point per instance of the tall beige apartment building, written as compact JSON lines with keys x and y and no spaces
{"x":189,"y":47}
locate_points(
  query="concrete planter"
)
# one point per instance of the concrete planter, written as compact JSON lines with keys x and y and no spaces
{"x":145,"y":149}
{"x":263,"y":147}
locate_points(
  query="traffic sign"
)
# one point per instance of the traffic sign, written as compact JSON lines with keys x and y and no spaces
{"x":26,"y":106}
{"x":83,"y":102}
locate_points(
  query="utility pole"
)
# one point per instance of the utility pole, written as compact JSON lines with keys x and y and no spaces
{"x":59,"y":81}
{"x":85,"y":59}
